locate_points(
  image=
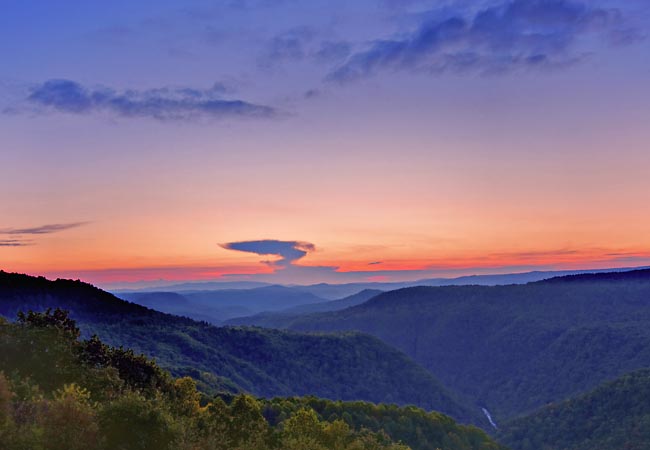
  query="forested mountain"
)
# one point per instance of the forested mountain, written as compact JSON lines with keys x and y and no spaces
{"x":513,"y":348}
{"x":284,"y":318}
{"x":60,"y":393}
{"x":614,"y":416}
{"x":217,"y":306}
{"x":262,"y":362}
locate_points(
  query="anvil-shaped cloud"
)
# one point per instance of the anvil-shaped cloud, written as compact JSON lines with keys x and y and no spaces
{"x":289,"y":251}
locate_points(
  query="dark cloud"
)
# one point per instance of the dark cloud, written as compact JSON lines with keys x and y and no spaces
{"x":162,"y":104}
{"x":43,"y":229}
{"x":375,"y":263}
{"x":14,"y":243}
{"x":519,"y":34}
{"x":312,"y":93}
{"x":289,"y":251}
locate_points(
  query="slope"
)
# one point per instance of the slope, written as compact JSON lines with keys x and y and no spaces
{"x":263,"y":362}
{"x":614,"y":416}
{"x":513,"y":348}
{"x":284,"y":318}
{"x":217,"y":306}
{"x":59,"y":392}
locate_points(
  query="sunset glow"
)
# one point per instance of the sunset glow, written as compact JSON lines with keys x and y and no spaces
{"x":392,"y":173}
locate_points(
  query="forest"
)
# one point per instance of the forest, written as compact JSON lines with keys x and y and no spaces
{"x":60,"y":392}
{"x":616,"y":415}
{"x":514,"y":348}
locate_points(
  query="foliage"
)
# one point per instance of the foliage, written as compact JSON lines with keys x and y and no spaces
{"x":413,"y":426}
{"x":85,"y":395}
{"x":614,"y":416}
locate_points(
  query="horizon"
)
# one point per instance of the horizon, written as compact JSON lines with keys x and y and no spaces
{"x":245,"y":284}
{"x":298,"y":143}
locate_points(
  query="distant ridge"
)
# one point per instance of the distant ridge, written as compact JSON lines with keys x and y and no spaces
{"x":337,"y":291}
{"x":283,"y":318}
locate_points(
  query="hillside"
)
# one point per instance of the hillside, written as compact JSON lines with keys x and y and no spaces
{"x":284,"y":318}
{"x":513,"y":348}
{"x":217,"y":306}
{"x":265,"y":363}
{"x":58,"y":392}
{"x":614,"y":416}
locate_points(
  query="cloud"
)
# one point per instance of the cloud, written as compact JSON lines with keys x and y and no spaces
{"x":331,"y":51}
{"x":536,"y":254}
{"x":165,"y":103}
{"x":287,"y":46}
{"x":514,"y":35}
{"x":289,"y":251}
{"x":299,"y":44}
{"x":43,"y":229}
{"x":14,"y":243}
{"x":15,"y":239}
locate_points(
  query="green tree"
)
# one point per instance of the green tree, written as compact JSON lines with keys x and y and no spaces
{"x":133,"y":422}
{"x":69,"y":420}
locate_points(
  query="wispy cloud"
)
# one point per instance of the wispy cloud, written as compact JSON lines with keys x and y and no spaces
{"x":289,"y":251}
{"x":514,"y":35}
{"x":43,"y":229}
{"x":167,"y":103}
{"x":14,"y":243}
{"x":287,"y":46}
{"x":301,"y":43}
{"x":14,"y":236}
{"x":333,"y":51}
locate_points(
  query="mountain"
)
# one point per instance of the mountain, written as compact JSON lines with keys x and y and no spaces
{"x":283,"y":319}
{"x":514,"y":348}
{"x":221,"y":305}
{"x":337,"y":291}
{"x":614,"y":416}
{"x":265,"y":363}
{"x":166,"y":286}
{"x":180,"y":305}
{"x":334,"y":305}
{"x":58,"y":392}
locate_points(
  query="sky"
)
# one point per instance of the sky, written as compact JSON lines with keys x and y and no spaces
{"x":322,"y":141}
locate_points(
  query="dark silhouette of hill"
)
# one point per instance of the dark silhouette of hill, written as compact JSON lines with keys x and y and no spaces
{"x":512,"y":348}
{"x":265,"y":363}
{"x":283,"y":319}
{"x":614,"y":416}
